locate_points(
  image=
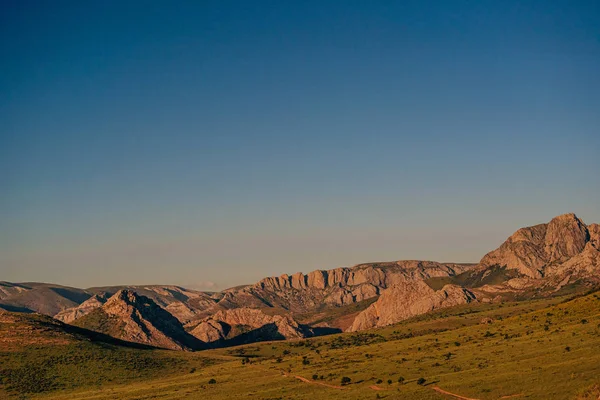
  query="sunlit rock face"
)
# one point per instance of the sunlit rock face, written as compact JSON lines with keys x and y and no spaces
{"x":406,"y":300}
{"x":535,"y":250}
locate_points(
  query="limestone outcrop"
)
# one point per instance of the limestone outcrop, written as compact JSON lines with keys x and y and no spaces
{"x":229,"y":324}
{"x":406,"y":300}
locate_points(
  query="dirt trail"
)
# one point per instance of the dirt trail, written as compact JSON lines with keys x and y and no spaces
{"x":437,"y":389}
{"x":303,"y":379}
{"x":510,"y":396}
{"x":375,"y":387}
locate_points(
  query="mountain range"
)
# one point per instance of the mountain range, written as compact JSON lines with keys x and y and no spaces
{"x":558,"y":257}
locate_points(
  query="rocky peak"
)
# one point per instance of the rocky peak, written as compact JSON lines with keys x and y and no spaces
{"x":531,"y":250}
{"x":566,"y":236}
{"x":136,"y":318}
{"x":125,"y":295}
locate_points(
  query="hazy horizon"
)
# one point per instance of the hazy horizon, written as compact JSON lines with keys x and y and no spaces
{"x":211,"y":144}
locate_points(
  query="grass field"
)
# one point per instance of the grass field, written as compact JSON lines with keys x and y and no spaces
{"x":543,"y":349}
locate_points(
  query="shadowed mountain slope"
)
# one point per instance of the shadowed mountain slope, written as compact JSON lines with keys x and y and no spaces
{"x":135,"y":318}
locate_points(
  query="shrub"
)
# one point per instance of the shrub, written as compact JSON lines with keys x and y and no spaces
{"x":315,"y":377}
{"x":389,"y":381}
{"x":212,"y":381}
{"x":421,"y":381}
{"x":401,"y":379}
{"x":379,"y":381}
{"x":346,"y":380}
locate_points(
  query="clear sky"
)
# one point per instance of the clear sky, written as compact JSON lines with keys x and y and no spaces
{"x":223,"y":141}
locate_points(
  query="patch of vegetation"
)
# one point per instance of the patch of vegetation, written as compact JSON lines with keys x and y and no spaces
{"x":99,"y":321}
{"x":353,"y":340}
{"x":474,"y":279}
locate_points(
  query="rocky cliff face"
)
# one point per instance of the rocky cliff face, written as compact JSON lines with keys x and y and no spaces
{"x":231,"y":324}
{"x":134,"y":318}
{"x":407,"y":299}
{"x":300,"y":293}
{"x":537,"y":250}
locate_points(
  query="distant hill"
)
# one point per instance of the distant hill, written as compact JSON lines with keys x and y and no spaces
{"x":44,"y":298}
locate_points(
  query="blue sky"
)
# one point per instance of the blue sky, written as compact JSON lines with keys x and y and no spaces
{"x":222,"y":141}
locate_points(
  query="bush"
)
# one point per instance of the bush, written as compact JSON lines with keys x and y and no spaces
{"x":401,"y":379}
{"x":421,"y":381}
{"x":346,"y":380}
{"x":315,"y":377}
{"x":389,"y":381}
{"x":379,"y":381}
{"x":212,"y":381}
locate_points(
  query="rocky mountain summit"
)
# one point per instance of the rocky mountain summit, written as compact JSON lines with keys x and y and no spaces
{"x":135,"y":318}
{"x":558,"y":257}
{"x":540,"y":250}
